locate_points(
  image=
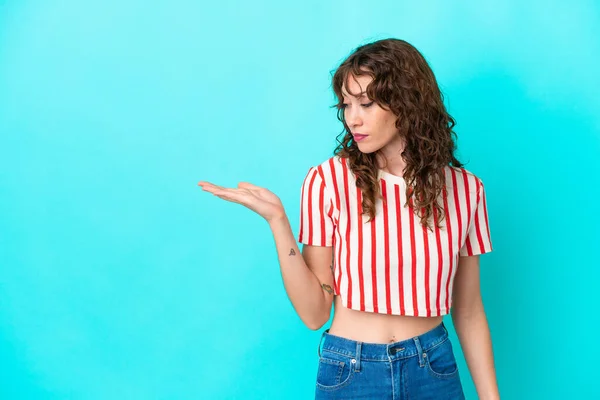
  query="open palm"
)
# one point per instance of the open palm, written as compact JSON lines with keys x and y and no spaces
{"x":258,"y":199}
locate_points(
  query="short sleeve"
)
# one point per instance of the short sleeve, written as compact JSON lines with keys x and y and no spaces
{"x":316,"y":207}
{"x":478,"y":240}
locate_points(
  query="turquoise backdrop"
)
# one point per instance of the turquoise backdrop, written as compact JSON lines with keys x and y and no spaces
{"x":121,"y":279}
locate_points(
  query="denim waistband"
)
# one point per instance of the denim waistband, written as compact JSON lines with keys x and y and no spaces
{"x":384,"y":352}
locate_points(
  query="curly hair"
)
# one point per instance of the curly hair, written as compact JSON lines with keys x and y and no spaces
{"x":403,"y":83}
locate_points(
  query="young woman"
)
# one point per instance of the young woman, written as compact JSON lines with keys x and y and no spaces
{"x":392,"y":227}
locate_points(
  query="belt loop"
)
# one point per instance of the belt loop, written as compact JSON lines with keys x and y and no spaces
{"x":358,"y":356}
{"x":419,"y":351}
{"x":319,"y":348}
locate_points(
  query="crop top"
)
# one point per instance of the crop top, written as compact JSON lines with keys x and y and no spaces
{"x":392,"y":264}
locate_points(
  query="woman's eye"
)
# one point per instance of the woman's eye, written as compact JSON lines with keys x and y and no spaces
{"x":364,"y":105}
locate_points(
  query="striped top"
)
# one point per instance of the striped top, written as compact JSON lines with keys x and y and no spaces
{"x":392,"y":265}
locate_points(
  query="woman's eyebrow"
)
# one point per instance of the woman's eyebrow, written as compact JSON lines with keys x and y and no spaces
{"x":358,"y":96}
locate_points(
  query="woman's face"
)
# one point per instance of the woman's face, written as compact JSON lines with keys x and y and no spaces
{"x":365,"y":117}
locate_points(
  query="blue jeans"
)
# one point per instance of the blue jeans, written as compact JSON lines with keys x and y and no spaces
{"x":422,"y":367}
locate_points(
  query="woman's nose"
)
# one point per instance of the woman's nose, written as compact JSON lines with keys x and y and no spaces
{"x":353,"y":119}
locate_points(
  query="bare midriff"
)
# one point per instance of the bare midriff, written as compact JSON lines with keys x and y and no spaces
{"x":370,"y":327}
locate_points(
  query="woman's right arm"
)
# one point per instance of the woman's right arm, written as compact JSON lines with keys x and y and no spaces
{"x":307,"y":275}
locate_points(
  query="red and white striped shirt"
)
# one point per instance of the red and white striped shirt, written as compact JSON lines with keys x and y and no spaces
{"x":392,"y":265}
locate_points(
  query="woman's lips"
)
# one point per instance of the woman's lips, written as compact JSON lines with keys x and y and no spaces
{"x":358,"y":138}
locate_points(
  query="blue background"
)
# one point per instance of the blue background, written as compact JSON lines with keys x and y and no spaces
{"x":121,"y":279}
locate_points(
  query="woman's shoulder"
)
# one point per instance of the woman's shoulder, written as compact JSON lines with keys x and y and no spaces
{"x":330,"y":165}
{"x":463,"y":178}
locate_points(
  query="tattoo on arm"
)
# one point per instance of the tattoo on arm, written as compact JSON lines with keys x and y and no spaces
{"x":292,"y":252}
{"x":327,"y":288}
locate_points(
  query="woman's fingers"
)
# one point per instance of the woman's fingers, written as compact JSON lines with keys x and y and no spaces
{"x":244,"y":194}
{"x":238,"y":195}
{"x":242,"y":186}
{"x":210,"y":189}
{"x":248,"y":185}
{"x":256,"y":198}
{"x":230,"y":195}
{"x":208,"y":185}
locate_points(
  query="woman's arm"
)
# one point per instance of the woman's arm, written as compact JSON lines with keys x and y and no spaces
{"x":309,"y":282}
{"x":470,"y":323}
